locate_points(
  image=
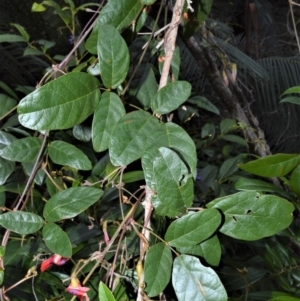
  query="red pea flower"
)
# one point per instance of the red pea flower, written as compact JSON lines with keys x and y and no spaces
{"x":54,"y":259}
{"x":77,"y":290}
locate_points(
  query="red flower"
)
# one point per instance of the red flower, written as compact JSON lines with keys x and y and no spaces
{"x":77,"y":290}
{"x":54,"y":259}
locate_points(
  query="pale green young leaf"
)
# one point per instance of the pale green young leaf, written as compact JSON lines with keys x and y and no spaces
{"x":64,"y":153}
{"x":158,"y":266}
{"x":113,"y":56}
{"x":57,"y":240}
{"x":60,"y":104}
{"x":108,"y":112}
{"x":104,"y":293}
{"x":193,"y":281}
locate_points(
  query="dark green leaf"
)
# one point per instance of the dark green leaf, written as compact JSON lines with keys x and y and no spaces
{"x":209,"y":249}
{"x":118,"y":13}
{"x":11,"y":38}
{"x":170,"y":97}
{"x":295,"y":89}
{"x":251,"y":216}
{"x":22,"y":31}
{"x":295,"y":180}
{"x":22,"y":150}
{"x":230,"y":166}
{"x":6,"y":104}
{"x":21,"y":222}
{"x":6,"y":169}
{"x":236,"y":139}
{"x":60,"y":104}
{"x":63,"y":153}
{"x":70,"y":202}
{"x":157,"y":269}
{"x":109,"y":111}
{"x":227,"y":125}
{"x":204,"y":103}
{"x":256,"y":185}
{"x":174,"y":186}
{"x":132,"y":176}
{"x":57,"y":240}
{"x":82,"y":132}
{"x":40,"y":176}
{"x":193,"y":281}
{"x":193,"y":228}
{"x":104,"y":293}
{"x":291,"y":99}
{"x":272,"y":166}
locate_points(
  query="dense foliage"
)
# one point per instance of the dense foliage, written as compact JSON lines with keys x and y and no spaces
{"x":121,"y":180}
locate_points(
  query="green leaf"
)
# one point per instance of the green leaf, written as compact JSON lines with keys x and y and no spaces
{"x":57,"y":240}
{"x":40,"y":176}
{"x":21,"y":222}
{"x":145,"y":87}
{"x":113,"y":56}
{"x":174,"y":186}
{"x":272,"y":166}
{"x":109,"y":111}
{"x":157,"y":269}
{"x":170,"y":97}
{"x":295,"y":89}
{"x":60,"y":104}
{"x":22,"y":150}
{"x":32,"y":51}
{"x":193,"y":18}
{"x":6,"y":139}
{"x":256,"y":185}
{"x":104,"y":293}
{"x":148,"y":2}
{"x":63,"y":153}
{"x":6,"y":104}
{"x":129,"y":138}
{"x":8,"y":90}
{"x":209,"y":249}
{"x":11,"y":38}
{"x":36,"y":7}
{"x":70,"y":202}
{"x":118,"y":13}
{"x":291,"y":99}
{"x":193,"y":281}
{"x":193,"y":228}
{"x":236,"y":139}
{"x":82,"y":132}
{"x":229,"y":167}
{"x":204,"y":103}
{"x":22,"y":31}
{"x":295,"y":180}
{"x":132,"y":176}
{"x":6,"y":169}
{"x":227,"y":125}
{"x":251,"y":216}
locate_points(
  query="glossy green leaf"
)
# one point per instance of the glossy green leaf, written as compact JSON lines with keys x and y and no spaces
{"x":193,"y":281}
{"x":236,"y":139}
{"x":118,"y":13}
{"x":6,"y":104}
{"x":256,"y":185}
{"x":113,"y":56}
{"x":145,"y":88}
{"x":60,"y":104}
{"x":11,"y":38}
{"x":129,"y":138}
{"x":6,"y":169}
{"x":40,"y":175}
{"x":70,"y":202}
{"x":104,"y":293}
{"x":22,"y":150}
{"x":204,"y":103}
{"x":209,"y":249}
{"x":272,"y":166}
{"x":295,"y":89}
{"x":63,"y":153}
{"x":109,"y":111}
{"x":21,"y":222}
{"x":195,"y":15}
{"x":295,"y":180}
{"x":170,"y":97}
{"x":193,"y":228}
{"x":174,"y":185}
{"x":291,"y":99}
{"x":57,"y":240}
{"x":158,"y":266}
{"x":251,"y":216}
{"x":82,"y":132}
